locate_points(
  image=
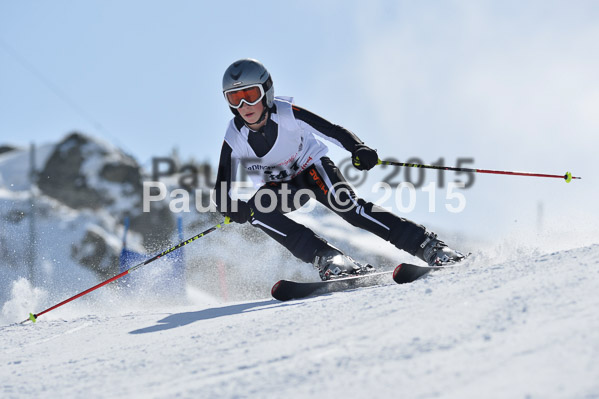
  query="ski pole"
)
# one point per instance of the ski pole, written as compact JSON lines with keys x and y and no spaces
{"x":33,"y":316}
{"x":567,"y":177}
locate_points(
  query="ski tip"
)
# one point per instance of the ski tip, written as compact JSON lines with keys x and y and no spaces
{"x":274,"y":289}
{"x":280,"y":291}
{"x":397,"y":270}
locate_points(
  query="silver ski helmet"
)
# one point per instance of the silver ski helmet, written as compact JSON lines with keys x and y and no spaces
{"x":248,"y":72}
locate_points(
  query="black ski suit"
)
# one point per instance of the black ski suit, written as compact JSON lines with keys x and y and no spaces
{"x":321,"y":177}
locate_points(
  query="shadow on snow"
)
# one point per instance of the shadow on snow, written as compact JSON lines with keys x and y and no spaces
{"x":183,"y":319}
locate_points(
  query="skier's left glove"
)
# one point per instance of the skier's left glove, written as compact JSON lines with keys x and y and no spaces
{"x":242,"y":214}
{"x":364,"y":157}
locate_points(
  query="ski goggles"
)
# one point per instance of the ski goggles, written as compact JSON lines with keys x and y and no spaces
{"x":251,"y":95}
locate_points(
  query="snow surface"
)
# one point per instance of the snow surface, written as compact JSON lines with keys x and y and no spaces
{"x":524,"y":327}
{"x":520,"y":321}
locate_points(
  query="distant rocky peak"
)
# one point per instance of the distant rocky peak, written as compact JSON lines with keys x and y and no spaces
{"x":80,"y":170}
{"x":87,"y":173}
{"x":6,"y":148}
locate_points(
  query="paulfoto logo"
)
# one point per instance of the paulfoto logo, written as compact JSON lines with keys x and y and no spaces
{"x":190,"y":176}
{"x":414,"y":174}
{"x":400,"y":186}
{"x":404,"y":196}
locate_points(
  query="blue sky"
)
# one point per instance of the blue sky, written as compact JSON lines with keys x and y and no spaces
{"x":148,"y":74}
{"x":511,"y":84}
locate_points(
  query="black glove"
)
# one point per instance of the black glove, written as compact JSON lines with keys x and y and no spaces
{"x":364,"y":157}
{"x":243,"y":213}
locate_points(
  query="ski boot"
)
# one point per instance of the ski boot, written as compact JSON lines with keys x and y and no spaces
{"x":332,"y":263}
{"x":436,"y":253}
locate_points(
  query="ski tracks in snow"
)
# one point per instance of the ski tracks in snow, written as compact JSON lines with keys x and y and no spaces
{"x":526,"y":327}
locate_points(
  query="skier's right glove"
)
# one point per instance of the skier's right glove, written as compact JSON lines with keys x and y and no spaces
{"x":243,"y":213}
{"x":364,"y":157}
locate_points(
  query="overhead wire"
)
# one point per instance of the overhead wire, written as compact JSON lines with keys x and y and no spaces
{"x":57,"y":91}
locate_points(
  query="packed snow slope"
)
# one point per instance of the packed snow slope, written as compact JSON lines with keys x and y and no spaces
{"x":526,"y":326}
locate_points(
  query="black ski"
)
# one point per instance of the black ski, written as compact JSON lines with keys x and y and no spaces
{"x":286,"y":290}
{"x":406,"y":272}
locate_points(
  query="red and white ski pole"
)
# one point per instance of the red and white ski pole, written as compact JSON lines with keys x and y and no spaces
{"x":33,"y":316}
{"x":567,"y":176}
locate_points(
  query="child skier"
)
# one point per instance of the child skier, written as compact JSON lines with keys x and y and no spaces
{"x":275,"y":142}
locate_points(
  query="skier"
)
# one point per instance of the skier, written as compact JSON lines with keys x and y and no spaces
{"x":275,"y":141}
